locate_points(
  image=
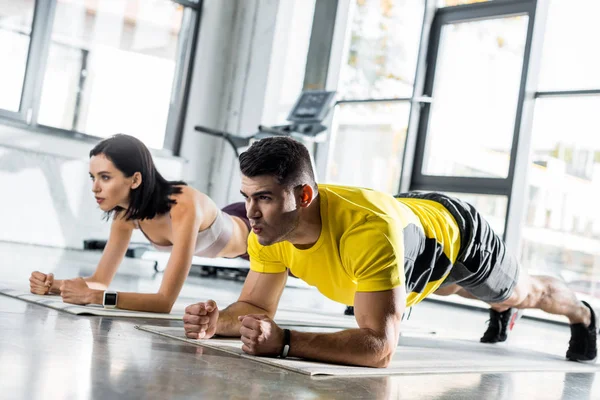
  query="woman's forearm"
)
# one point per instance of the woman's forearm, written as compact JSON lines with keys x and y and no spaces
{"x":93,"y":283}
{"x":90,"y":281}
{"x":148,"y":302}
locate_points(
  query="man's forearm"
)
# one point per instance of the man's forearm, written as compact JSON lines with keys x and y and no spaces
{"x":228,"y":324}
{"x":362,"y":347}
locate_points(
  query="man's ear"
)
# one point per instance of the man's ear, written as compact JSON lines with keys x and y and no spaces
{"x":306,"y":195}
{"x":136,"y":181}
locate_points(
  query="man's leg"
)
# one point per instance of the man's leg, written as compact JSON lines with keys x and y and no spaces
{"x":485,"y":271}
{"x":548,"y":294}
{"x":553,"y":296}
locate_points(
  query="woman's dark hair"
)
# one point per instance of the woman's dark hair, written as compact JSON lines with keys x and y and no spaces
{"x":130,"y":155}
{"x":281,"y":157}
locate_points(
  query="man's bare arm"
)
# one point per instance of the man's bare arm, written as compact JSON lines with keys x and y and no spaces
{"x":373,"y":345}
{"x":260,"y":295}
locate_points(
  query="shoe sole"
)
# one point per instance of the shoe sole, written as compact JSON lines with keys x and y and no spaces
{"x":592,"y":361}
{"x":514,"y":318}
{"x":495,"y":340}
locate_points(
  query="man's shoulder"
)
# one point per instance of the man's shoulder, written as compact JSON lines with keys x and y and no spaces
{"x":373,"y":223}
{"x":348,"y":199}
{"x":351,"y":207}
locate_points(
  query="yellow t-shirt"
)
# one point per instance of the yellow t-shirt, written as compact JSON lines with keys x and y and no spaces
{"x":369,"y":242}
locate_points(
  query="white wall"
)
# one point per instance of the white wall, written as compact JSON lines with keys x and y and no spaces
{"x":229,"y":88}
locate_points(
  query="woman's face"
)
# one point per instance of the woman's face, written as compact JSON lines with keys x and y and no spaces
{"x":110,"y":186}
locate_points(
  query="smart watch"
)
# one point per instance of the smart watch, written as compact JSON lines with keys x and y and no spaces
{"x":109,"y":299}
{"x":286,"y":343}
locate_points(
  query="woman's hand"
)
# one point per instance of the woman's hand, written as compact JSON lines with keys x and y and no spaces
{"x":75,"y":291}
{"x":40,"y":283}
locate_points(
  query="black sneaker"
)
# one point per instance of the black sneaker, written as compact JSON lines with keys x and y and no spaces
{"x":582,"y":346}
{"x":349,"y":310}
{"x":499,"y":325}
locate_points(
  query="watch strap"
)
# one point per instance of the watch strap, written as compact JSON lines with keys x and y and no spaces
{"x":287,"y":337}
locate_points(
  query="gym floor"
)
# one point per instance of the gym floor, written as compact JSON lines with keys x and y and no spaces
{"x":50,"y":354}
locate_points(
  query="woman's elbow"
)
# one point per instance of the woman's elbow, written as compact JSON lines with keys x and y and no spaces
{"x":165,"y":305}
{"x":165,"y":310}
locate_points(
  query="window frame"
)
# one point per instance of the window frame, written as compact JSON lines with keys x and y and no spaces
{"x":521,"y":135}
{"x":35,"y":69}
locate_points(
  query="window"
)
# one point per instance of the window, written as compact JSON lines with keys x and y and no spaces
{"x":383,"y":49}
{"x":477,"y":81}
{"x":15,"y":31}
{"x":569,"y":58}
{"x":368,"y":145}
{"x":451,"y":3}
{"x":492,"y":208}
{"x":105,"y":66}
{"x":288,"y":64}
{"x":376,"y":87}
{"x":562,"y":228}
{"x":561,"y":236}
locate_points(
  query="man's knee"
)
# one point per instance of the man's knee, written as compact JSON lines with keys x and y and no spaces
{"x":526,"y":292}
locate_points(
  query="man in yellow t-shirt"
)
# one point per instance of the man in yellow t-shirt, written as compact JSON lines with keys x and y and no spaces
{"x":368,"y":249}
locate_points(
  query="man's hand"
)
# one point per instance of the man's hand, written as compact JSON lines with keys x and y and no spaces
{"x":75,"y":291}
{"x":260,"y":335}
{"x":40,"y":283}
{"x":200,"y":320}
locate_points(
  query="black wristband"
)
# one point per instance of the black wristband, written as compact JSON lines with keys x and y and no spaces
{"x":287,"y":337}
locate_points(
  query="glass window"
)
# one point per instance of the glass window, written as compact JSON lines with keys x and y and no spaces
{"x":561,"y":235}
{"x":569,"y":58}
{"x":475,"y":95}
{"x":286,"y":74}
{"x":111,"y":67}
{"x":451,"y":3}
{"x":300,"y":27}
{"x":383,"y":48}
{"x":491,"y":207}
{"x":16,"y":18}
{"x":367,"y":146}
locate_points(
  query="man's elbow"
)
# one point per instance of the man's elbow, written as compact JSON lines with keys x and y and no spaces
{"x":383,"y":357}
{"x":376,"y":361}
{"x":384,"y":362}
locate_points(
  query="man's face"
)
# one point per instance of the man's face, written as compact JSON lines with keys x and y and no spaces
{"x":271,"y":208}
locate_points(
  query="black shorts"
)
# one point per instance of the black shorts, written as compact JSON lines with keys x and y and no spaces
{"x":483,"y":267}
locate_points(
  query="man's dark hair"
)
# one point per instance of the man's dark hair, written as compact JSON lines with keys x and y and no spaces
{"x":282,"y":157}
{"x":130,"y":155}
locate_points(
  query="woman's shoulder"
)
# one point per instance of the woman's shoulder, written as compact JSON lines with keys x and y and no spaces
{"x":119,"y":220}
{"x":191,"y":200}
